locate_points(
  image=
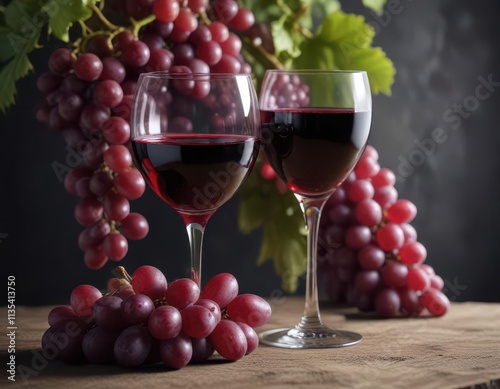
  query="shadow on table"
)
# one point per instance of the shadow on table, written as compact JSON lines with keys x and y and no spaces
{"x":32,"y":363}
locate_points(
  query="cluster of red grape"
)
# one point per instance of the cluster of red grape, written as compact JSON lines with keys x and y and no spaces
{"x":368,"y":252}
{"x":141,"y":321}
{"x":88,"y":95}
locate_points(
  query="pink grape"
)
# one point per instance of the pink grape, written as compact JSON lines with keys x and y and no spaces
{"x":150,"y":281}
{"x":83,"y":298}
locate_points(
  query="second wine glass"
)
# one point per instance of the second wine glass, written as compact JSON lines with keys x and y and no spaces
{"x":315,"y":126}
{"x":195,"y":139}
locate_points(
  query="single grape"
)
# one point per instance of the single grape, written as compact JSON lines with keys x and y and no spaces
{"x":250,"y":335}
{"x":229,"y":340}
{"x":88,"y":67}
{"x":417,"y":279}
{"x":186,"y":21}
{"x":243,"y":20}
{"x":224,"y":10}
{"x":209,"y":52}
{"x":436,"y":282}
{"x":357,"y":236}
{"x":198,"y":6}
{"x":385,"y":196}
{"x":387,"y":302}
{"x":221,"y":288}
{"x":61,"y":61}
{"x":106,"y":312}
{"x":118,"y":158}
{"x":63,"y":340}
{"x":385,"y":177}
{"x":95,"y":257}
{"x":153,"y":41}
{"x":390,"y":237}
{"x":162,"y":28}
{"x":93,"y":116}
{"x":115,"y":246}
{"x":73,"y":176}
{"x":159,"y":60}
{"x":177,"y":352}
{"x":150,"y":281}
{"x":134,"y":226}
{"x":116,"y":130}
{"x":435,"y":302}
{"x":340,"y":214}
{"x":136,"y":54}
{"x":410,"y":301}
{"x":108,"y":93}
{"x":371,"y":152}
{"x":227,"y":64}
{"x":101,"y":183}
{"x":371,"y":257}
{"x":402,"y":211}
{"x":123,"y":39}
{"x":367,"y":167}
{"x":197,"y":321}
{"x":61,"y":313}
{"x":166,"y":10}
{"x":132,"y":346}
{"x":100,"y":45}
{"x":394,"y":274}
{"x":182,"y":293}
{"x":367,"y":280}
{"x":82,"y":189}
{"x":232,"y":45}
{"x":48,"y":82}
{"x":249,"y":309}
{"x":98,"y":345}
{"x":130,"y":184}
{"x":165,"y":322}
{"x":71,"y":83}
{"x":88,"y":211}
{"x":360,"y":190}
{"x":202,"y":34}
{"x":137,"y":308}
{"x":412,"y":253}
{"x":70,"y":106}
{"x":409,"y":231}
{"x":83,"y":298}
{"x":112,"y":69}
{"x":368,"y":212}
{"x":212,"y":306}
{"x":203,"y":349}
{"x":116,"y":206}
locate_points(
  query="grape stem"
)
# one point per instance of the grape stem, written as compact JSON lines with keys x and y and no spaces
{"x":123,"y":273}
{"x":103,"y":18}
{"x":262,"y":55}
{"x":138,"y":24}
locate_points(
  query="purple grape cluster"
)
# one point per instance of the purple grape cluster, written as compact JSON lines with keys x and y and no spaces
{"x":142,"y":320}
{"x":369,"y":255}
{"x":88,"y":95}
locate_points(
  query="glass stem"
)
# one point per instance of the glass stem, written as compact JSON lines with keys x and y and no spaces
{"x":195,"y":234}
{"x":312,"y":213}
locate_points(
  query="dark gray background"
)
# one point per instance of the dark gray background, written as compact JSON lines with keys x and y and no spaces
{"x":440,"y":49}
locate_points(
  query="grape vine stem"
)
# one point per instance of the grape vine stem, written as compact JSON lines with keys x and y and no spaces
{"x":103,"y":18}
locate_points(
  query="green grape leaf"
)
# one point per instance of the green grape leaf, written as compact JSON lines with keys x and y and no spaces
{"x":18,"y":37}
{"x":286,"y":39}
{"x":17,"y":67}
{"x":6,"y":49}
{"x":375,"y":5}
{"x":343,"y":41}
{"x":61,"y":18}
{"x":279,"y":215}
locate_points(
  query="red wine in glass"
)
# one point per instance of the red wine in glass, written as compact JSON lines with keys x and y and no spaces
{"x":314,"y":150}
{"x":195,"y":174}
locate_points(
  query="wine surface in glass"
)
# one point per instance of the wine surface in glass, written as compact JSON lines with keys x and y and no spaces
{"x":314,"y":149}
{"x":195,"y":173}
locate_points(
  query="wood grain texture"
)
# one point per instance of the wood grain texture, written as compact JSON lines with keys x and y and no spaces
{"x":459,"y":350}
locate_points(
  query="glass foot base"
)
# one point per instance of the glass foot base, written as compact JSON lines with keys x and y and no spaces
{"x":299,"y":338}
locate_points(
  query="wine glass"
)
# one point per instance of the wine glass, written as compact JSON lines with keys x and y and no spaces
{"x":315,"y":125}
{"x":195,"y":139}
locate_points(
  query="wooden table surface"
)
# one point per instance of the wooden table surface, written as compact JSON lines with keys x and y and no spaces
{"x":459,"y":350}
